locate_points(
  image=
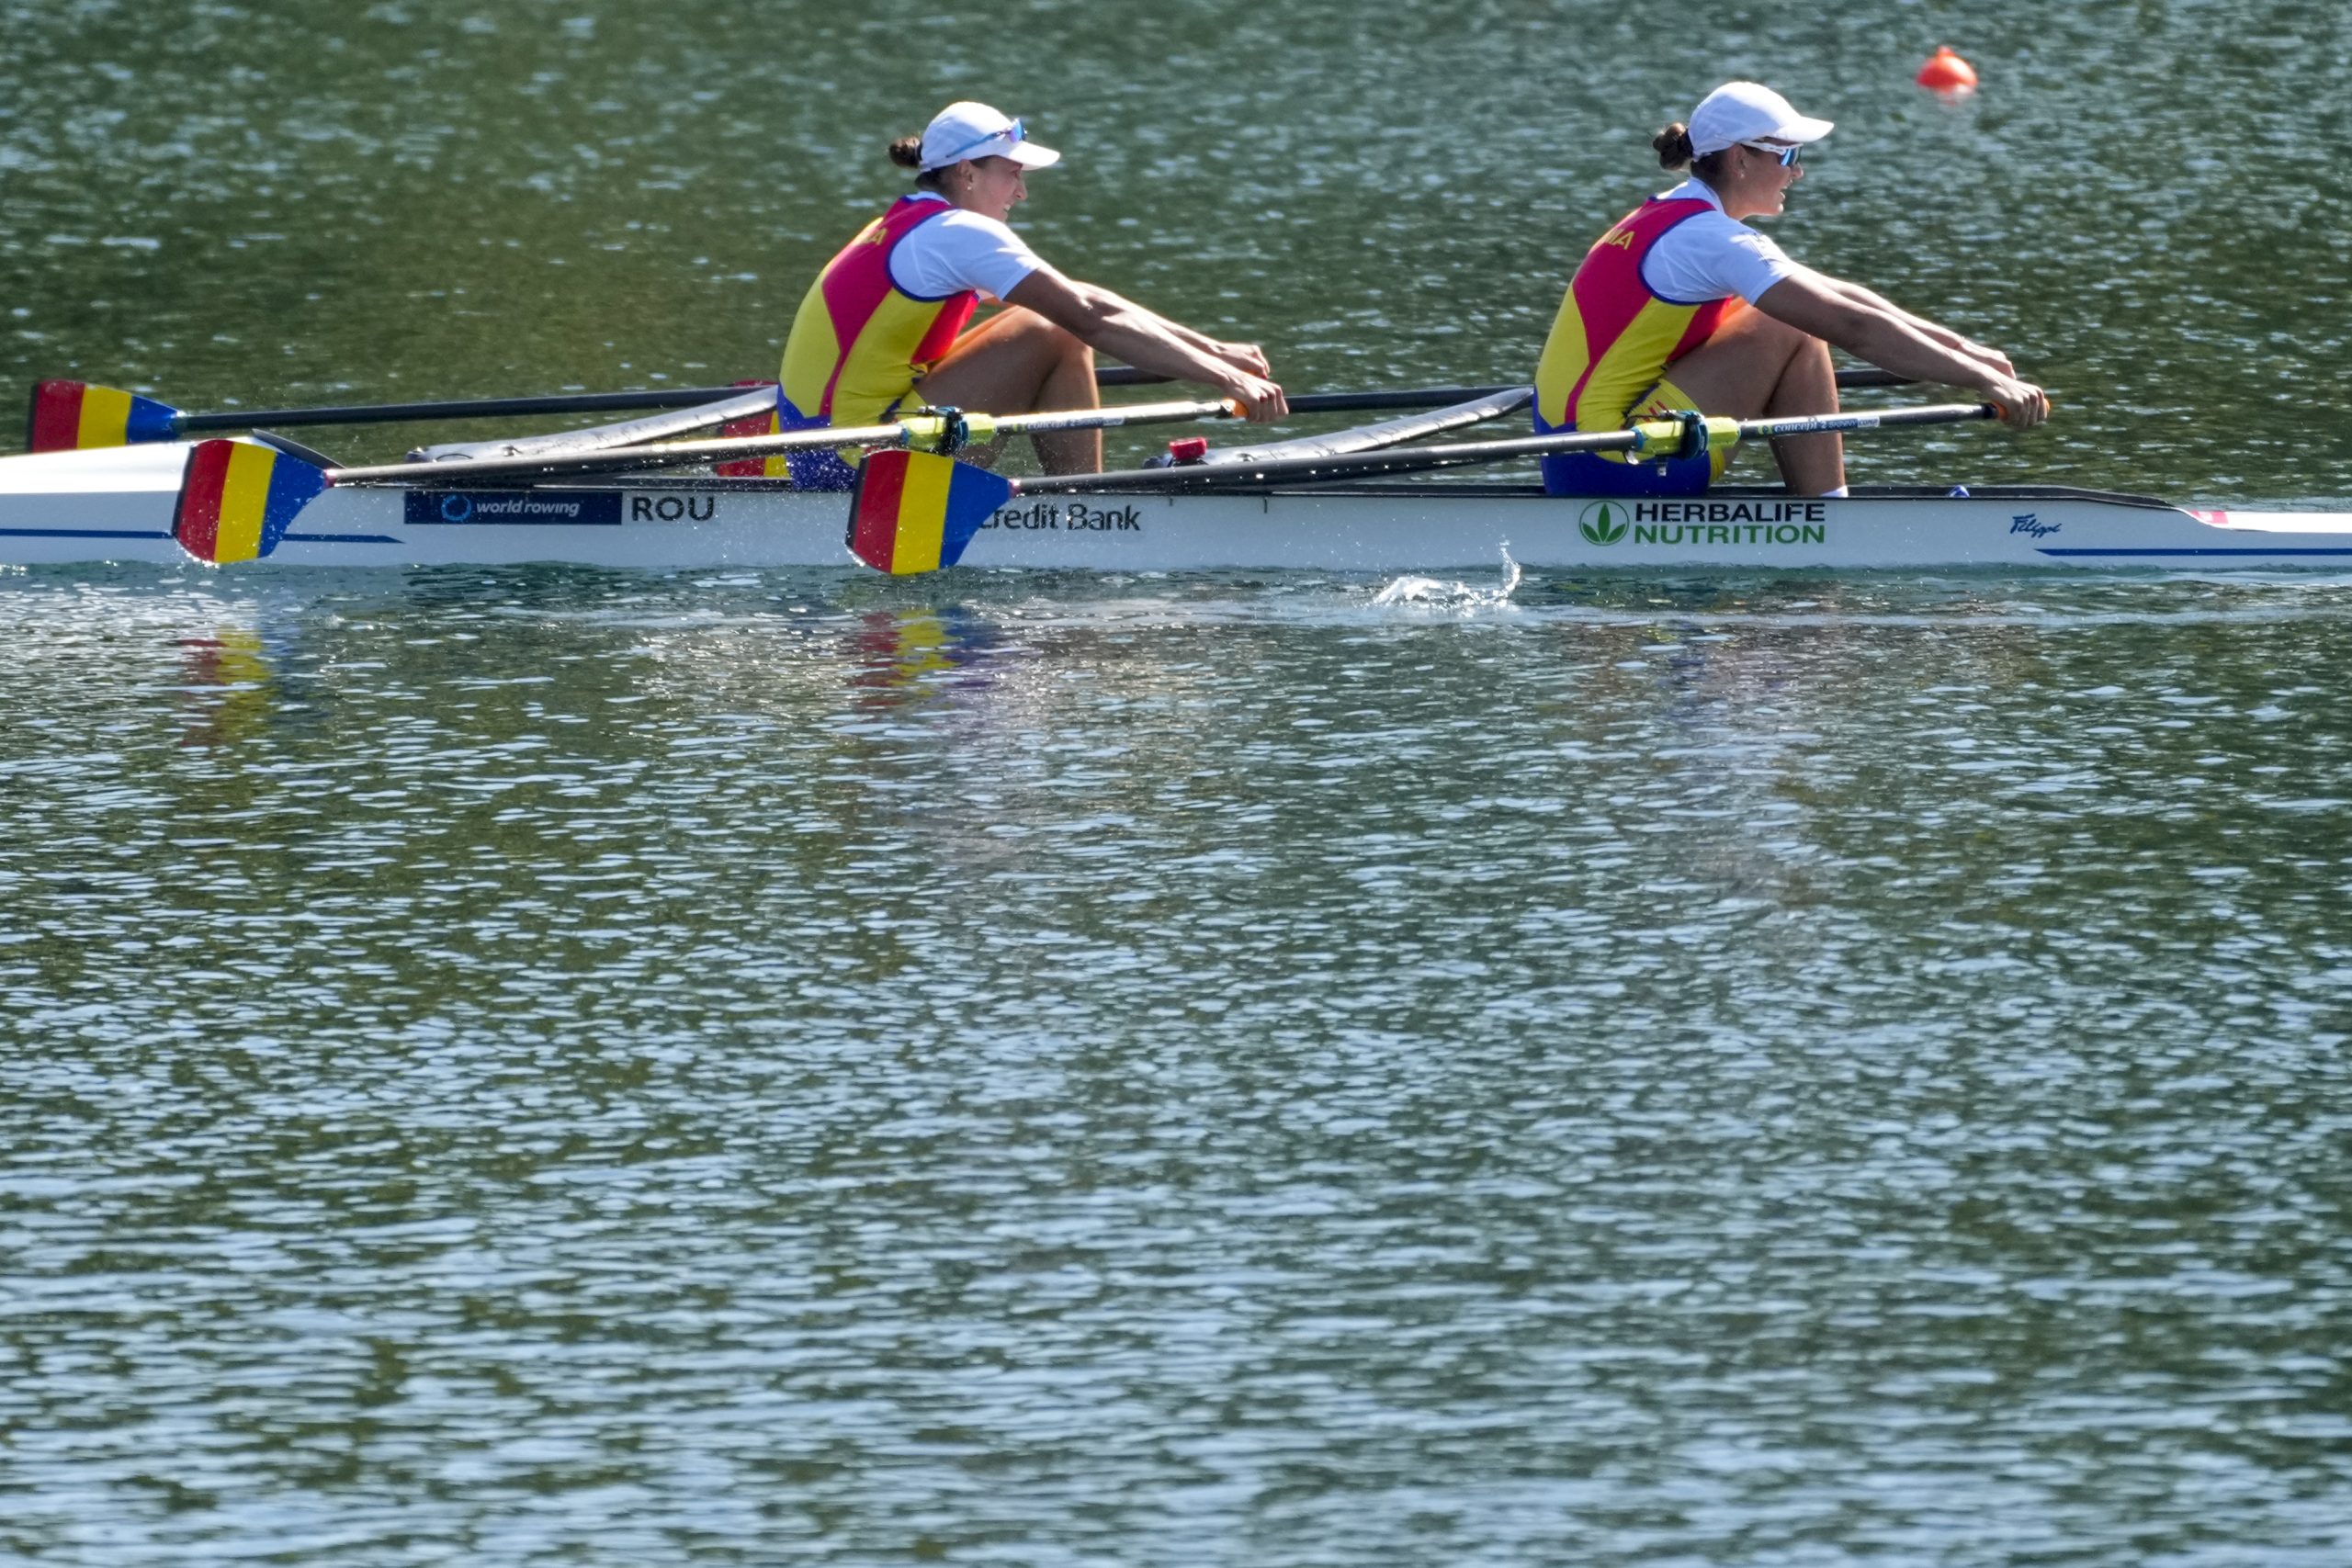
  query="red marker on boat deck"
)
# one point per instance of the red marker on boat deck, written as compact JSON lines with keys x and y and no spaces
{"x":1946,"y":73}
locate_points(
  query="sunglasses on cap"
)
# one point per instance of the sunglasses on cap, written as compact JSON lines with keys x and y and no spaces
{"x":1787,"y":155}
{"x":1011,"y":133}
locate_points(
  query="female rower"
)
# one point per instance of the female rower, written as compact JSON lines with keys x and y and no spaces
{"x":1667,"y":290}
{"x":880,"y":326}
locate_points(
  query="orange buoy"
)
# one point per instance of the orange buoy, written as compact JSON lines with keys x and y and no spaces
{"x":1947,"y":72}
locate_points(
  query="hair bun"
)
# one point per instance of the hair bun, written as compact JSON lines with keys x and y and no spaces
{"x":1673,"y":146}
{"x":907,"y":151}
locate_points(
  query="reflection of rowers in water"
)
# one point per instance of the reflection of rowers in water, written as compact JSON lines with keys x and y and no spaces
{"x":1669,"y":290}
{"x":884,"y":322}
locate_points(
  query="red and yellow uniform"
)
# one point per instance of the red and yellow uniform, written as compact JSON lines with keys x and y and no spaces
{"x":1607,"y":358}
{"x":860,"y":343}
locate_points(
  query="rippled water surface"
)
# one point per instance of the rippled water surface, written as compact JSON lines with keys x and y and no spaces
{"x":547,"y":1066}
{"x":1176,"y":1070}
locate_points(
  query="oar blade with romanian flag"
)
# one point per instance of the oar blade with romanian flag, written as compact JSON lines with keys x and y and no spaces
{"x":916,"y":512}
{"x":238,"y":497}
{"x":69,"y":416}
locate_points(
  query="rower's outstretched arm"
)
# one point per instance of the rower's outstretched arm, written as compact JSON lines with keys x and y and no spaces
{"x":1245,"y":355}
{"x":1874,"y":332}
{"x":1935,"y":330}
{"x":1148,"y":341}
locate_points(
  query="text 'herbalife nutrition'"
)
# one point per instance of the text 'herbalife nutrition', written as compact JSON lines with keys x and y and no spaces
{"x":1706,"y":522}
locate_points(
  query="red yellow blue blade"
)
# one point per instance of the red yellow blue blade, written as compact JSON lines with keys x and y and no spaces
{"x":68,"y":416}
{"x":237,"y":498}
{"x":916,"y":511}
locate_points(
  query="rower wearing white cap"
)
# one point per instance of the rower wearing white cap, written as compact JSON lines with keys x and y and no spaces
{"x":884,"y":322}
{"x":1665,"y":294}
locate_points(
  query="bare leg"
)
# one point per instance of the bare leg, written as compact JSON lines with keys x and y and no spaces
{"x":1018,"y":362}
{"x":1810,"y":465}
{"x":1757,"y":366}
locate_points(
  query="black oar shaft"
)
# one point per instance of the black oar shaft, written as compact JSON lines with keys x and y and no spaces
{"x":1410,"y":398}
{"x":465,"y":408}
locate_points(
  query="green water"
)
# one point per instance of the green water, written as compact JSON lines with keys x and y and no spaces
{"x":547,"y":1066}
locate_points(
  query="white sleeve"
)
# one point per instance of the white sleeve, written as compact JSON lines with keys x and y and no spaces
{"x":959,"y":251}
{"x":1713,"y":257}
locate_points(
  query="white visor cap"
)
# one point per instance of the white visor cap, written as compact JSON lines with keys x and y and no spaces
{"x":1744,"y":111}
{"x":975,"y":130}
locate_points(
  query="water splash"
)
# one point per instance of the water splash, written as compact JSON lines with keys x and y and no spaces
{"x":1431,"y":590}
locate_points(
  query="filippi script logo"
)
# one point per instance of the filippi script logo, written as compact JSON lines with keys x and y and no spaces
{"x":2032,"y":524}
{"x":1602,"y":523}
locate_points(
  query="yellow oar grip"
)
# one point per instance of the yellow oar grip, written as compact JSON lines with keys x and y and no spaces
{"x":1664,"y":437}
{"x":1650,"y":433}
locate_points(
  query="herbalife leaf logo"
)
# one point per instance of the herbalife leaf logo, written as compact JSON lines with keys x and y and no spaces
{"x":1602,"y":523}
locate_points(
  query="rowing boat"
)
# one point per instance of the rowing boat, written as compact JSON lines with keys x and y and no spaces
{"x":117,"y":504}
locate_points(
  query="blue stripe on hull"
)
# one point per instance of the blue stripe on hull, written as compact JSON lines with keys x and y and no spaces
{"x":165,"y":533}
{"x":2217,"y":551}
{"x":85,"y":533}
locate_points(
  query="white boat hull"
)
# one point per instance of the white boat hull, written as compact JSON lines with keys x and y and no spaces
{"x":116,"y":506}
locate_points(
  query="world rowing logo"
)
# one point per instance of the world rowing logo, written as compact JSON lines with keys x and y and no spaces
{"x":1602,"y":523}
{"x":456,"y":508}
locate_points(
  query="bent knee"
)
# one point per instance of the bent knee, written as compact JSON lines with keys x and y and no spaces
{"x":1068,"y":345}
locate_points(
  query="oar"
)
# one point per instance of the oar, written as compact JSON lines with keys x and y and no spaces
{"x":238,"y":497}
{"x":916,"y":511}
{"x":755,"y":414}
{"x":67,"y":416}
